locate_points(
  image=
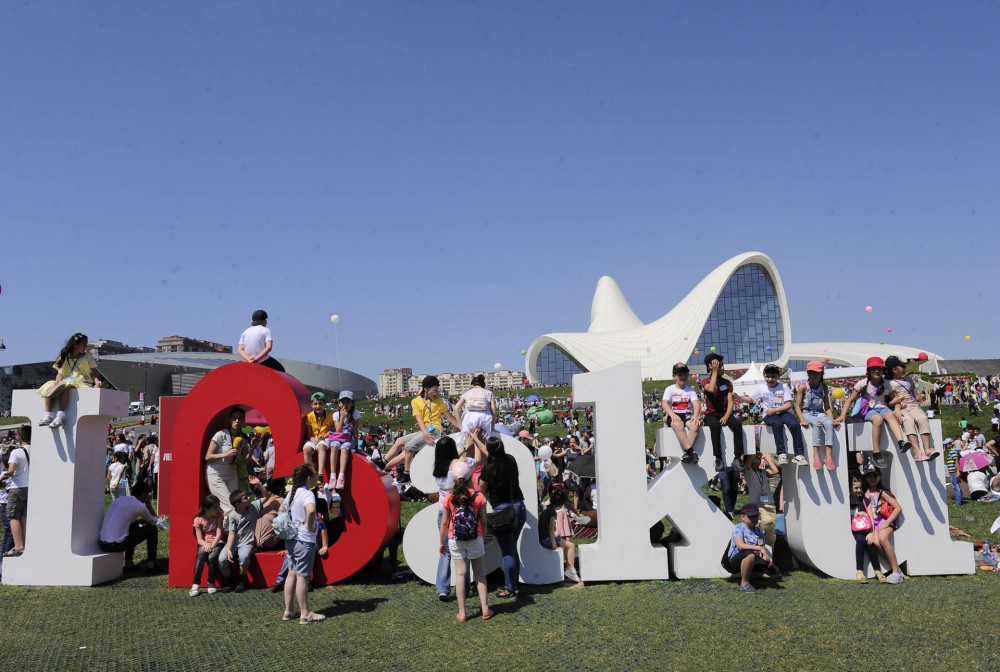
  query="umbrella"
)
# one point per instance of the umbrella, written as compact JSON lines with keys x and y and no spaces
{"x":996,"y":526}
{"x":974,"y":461}
{"x":531,"y":397}
{"x":583,"y":466}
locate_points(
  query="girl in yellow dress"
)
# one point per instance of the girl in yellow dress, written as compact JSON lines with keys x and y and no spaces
{"x":75,"y":368}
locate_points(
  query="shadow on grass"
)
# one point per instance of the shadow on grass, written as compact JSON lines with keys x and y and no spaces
{"x":343,"y":607}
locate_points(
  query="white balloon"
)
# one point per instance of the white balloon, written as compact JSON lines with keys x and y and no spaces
{"x":335,"y":319}
{"x":544,"y":453}
{"x":497,"y":366}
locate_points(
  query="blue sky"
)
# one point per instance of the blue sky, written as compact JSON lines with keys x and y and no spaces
{"x":452,"y":179}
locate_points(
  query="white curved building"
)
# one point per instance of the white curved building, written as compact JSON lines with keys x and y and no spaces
{"x":739,"y":309}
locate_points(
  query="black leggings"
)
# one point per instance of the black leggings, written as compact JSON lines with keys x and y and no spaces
{"x":272,"y":363}
{"x":860,"y":546}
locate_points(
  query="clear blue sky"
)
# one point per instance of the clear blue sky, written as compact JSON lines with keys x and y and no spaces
{"x":453,"y":178}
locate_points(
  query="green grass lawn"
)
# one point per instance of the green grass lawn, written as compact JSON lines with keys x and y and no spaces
{"x":809,"y":622}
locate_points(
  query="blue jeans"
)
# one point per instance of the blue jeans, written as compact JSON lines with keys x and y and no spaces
{"x":508,"y":545}
{"x":786,"y":419}
{"x":442,"y":582}
{"x":729,"y":480}
{"x":959,"y":499}
{"x":8,"y":536}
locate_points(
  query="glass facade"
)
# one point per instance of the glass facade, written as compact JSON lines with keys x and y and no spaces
{"x":746,"y":323}
{"x":556,"y":366}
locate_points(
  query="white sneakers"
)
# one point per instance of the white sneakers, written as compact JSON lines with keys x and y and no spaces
{"x":58,"y":420}
{"x":895,"y":577}
{"x":194,"y":590}
{"x":571,"y":575}
{"x":781,"y":459}
{"x":800,"y":460}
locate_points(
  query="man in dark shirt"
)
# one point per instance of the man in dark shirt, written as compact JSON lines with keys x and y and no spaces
{"x":719,"y":409}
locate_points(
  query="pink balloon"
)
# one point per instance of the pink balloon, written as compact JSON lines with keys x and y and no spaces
{"x":889,"y":330}
{"x":868,"y":309}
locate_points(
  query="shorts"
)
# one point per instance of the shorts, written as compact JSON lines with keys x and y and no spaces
{"x":346,"y":445}
{"x":883,"y":411}
{"x":314,"y":446}
{"x":301,"y":555}
{"x":477,"y":419}
{"x":547,"y":542}
{"x":17,"y":503}
{"x":416,"y":441}
{"x":684,"y":420}
{"x":467,"y":550}
{"x":733,"y":563}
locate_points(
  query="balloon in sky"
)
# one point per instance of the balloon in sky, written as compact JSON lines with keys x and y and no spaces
{"x":968,"y":338}
{"x":544,"y":453}
{"x":838,"y":393}
{"x":335,"y":319}
{"x":922,"y":356}
{"x":889,"y":330}
{"x":868,"y":309}
{"x":696,"y":352}
{"x":524,"y":352}
{"x":497,"y":366}
{"x":685,"y":338}
{"x":768,"y":348}
{"x":711,"y":349}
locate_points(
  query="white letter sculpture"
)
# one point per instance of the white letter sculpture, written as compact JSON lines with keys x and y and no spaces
{"x":66,"y":493}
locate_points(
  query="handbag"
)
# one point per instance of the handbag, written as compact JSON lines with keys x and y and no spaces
{"x":284,"y":527}
{"x":502,"y":521}
{"x":861,"y":522}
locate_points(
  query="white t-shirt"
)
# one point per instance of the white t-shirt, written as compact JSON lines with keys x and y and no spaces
{"x":356,"y":415}
{"x":772,"y":397}
{"x":116,"y":469}
{"x":447,"y":482}
{"x":19,"y":457}
{"x":681,"y":400}
{"x":303,"y":497}
{"x":255,"y":339}
{"x":977,"y":482}
{"x":123,"y":512}
{"x":477,"y":399}
{"x":154,"y":456}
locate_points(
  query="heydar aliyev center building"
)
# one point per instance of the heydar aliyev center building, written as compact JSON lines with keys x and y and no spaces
{"x":739,"y":309}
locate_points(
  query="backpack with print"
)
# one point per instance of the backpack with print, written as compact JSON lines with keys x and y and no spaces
{"x":465,"y":523}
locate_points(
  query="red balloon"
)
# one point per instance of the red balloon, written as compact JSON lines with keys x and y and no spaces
{"x":922,"y":356}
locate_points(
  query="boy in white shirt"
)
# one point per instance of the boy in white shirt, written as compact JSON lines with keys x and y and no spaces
{"x":255,"y":343}
{"x":682,"y":411}
{"x":776,"y":399}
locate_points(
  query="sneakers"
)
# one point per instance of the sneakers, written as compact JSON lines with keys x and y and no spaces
{"x":800,"y":460}
{"x":719,"y":466}
{"x":880,"y":576}
{"x":931,"y":455}
{"x":878,"y":460}
{"x":58,"y":420}
{"x":571,"y":575}
{"x":212,"y":590}
{"x":816,"y":463}
{"x":46,"y":420}
{"x":747,"y":588}
{"x":738,"y":464}
{"x":341,"y":482}
{"x":194,"y":590}
{"x":904,"y":446}
{"x":895,"y":577}
{"x":240,"y":587}
{"x":403,"y":478}
{"x":861,"y":577}
{"x":782,"y":459}
{"x":582,"y":521}
{"x":444,"y":597}
{"x":277,"y":588}
{"x":830,"y":465}
{"x":689,"y":457}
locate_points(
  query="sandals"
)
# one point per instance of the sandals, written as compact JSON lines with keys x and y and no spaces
{"x":488,"y":615}
{"x":14,"y":553}
{"x":505,"y":594}
{"x":313,"y":617}
{"x":289,"y":615}
{"x":461,"y":618}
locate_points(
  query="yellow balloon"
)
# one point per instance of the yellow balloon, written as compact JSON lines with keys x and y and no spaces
{"x":838,"y":393}
{"x":968,"y":338}
{"x":237,"y":442}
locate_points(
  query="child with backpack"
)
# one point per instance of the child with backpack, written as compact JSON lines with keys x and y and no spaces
{"x":873,"y":395}
{"x":462,"y":535}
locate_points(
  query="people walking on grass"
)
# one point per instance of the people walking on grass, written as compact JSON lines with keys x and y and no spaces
{"x":906,"y":402}
{"x":301,"y":548}
{"x":682,"y":411}
{"x":873,"y":393}
{"x":776,"y":400}
{"x":815,"y":410}
{"x":15,"y":480}
{"x":256,"y":343}
{"x":208,"y":531}
{"x":343,"y":439}
{"x":884,"y":510}
{"x":75,"y":368}
{"x":462,"y":528}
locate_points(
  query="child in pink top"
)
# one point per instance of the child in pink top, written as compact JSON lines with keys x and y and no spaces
{"x":206,"y":529}
{"x":462,"y":530}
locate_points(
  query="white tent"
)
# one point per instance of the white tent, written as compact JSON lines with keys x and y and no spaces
{"x":753,"y":377}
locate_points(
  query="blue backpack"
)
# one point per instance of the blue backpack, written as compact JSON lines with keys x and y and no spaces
{"x":465,"y":523}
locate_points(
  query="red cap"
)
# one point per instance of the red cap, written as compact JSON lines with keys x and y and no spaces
{"x":875,"y":361}
{"x":815,"y":366}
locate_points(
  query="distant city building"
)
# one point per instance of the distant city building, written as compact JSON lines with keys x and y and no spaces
{"x":104,"y":346}
{"x":185,"y":344}
{"x":402,"y":381}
